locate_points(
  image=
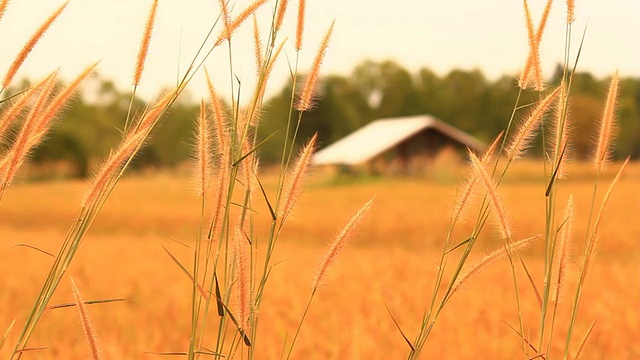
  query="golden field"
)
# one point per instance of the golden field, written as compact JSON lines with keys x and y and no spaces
{"x":392,"y":261}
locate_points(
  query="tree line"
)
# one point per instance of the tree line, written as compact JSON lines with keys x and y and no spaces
{"x":463,"y":98}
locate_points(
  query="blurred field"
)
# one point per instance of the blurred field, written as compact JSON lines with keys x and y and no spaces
{"x":392,"y":261}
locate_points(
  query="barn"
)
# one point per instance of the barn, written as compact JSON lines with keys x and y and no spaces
{"x":405,"y":144}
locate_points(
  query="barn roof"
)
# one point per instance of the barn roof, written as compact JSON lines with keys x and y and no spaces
{"x":381,"y":135}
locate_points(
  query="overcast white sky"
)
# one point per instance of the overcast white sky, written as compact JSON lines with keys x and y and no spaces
{"x":442,"y":35}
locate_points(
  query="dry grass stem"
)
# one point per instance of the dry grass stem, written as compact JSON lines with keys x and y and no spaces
{"x":495,"y":200}
{"x":562,"y":252}
{"x":305,"y":102}
{"x":204,"y":156}
{"x":293,"y":186}
{"x":592,"y":245}
{"x":578,"y":352}
{"x":525,"y":134}
{"x":607,"y":125}
{"x":144,"y":44}
{"x":282,"y":8}
{"x":152,"y":114}
{"x":300,"y":24}
{"x":339,"y":243}
{"x":87,"y":326}
{"x":488,"y":260}
{"x":26,"y":50}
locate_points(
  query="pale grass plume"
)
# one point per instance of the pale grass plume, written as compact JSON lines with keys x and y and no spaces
{"x":109,"y":169}
{"x":19,"y":106}
{"x":528,"y":80}
{"x":561,"y":127}
{"x":607,"y":130}
{"x":489,"y":259}
{"x":295,"y":179}
{"x":592,"y":244}
{"x":153,"y":113}
{"x":300,"y":24}
{"x":57,"y":103}
{"x":219,"y":196}
{"x":254,"y":111}
{"x":242,"y":278}
{"x":338,"y":244}
{"x":494,"y":198}
{"x":525,"y":134}
{"x":226,"y":20}
{"x":220,"y":121}
{"x":3,"y":7}
{"x":257,"y":43}
{"x":467,"y":189}
{"x":235,"y":24}
{"x":31,"y":43}
{"x":144,"y":44}
{"x":532,"y":65}
{"x":571,"y":16}
{"x":21,"y":145}
{"x":305,"y":102}
{"x":203,"y":150}
{"x":87,"y":325}
{"x":562,"y":252}
{"x":282,"y":8}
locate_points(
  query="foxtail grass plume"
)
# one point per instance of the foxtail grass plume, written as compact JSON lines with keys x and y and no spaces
{"x":300,"y":24}
{"x":494,"y":199}
{"x":338,"y":244}
{"x":144,"y":44}
{"x":560,"y":127}
{"x":257,"y":44}
{"x":231,"y":26}
{"x":58,"y":102}
{"x":19,"y":106}
{"x":21,"y":145}
{"x":571,"y":16}
{"x":305,"y":102}
{"x":525,"y":134}
{"x":242,"y":278}
{"x":562,"y":252}
{"x":203,"y":150}
{"x":87,"y":325}
{"x":488,"y":260}
{"x":295,"y":179}
{"x":255,"y":109}
{"x":226,"y":20}
{"x":26,"y":49}
{"x":282,"y":8}
{"x":220,"y":121}
{"x":3,"y":7}
{"x":607,"y":129}
{"x":532,"y":74}
{"x":467,"y":189}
